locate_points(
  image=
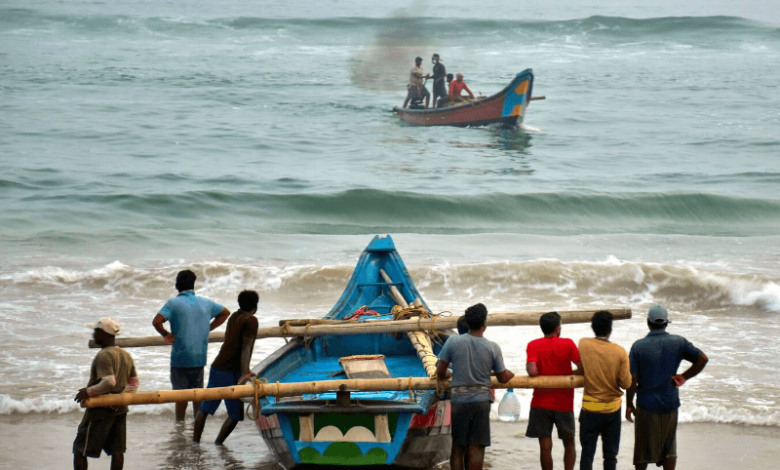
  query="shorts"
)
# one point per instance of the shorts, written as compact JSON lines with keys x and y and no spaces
{"x":655,"y":436}
{"x":541,"y":420}
{"x":183,"y":378}
{"x":107,"y":434}
{"x":471,"y":424}
{"x":413,"y":94}
{"x":224,"y":378}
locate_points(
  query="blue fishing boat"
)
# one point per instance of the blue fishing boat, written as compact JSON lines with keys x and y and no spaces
{"x":355,"y":428}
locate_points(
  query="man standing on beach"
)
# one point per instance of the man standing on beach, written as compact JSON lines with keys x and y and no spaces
{"x":192,"y":318}
{"x":231,"y":367}
{"x":552,"y":355}
{"x":654,"y":362}
{"x":473,"y":357}
{"x":606,"y":371}
{"x":113,"y":371}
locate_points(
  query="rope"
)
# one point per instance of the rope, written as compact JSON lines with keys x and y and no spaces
{"x":411,"y":396}
{"x":286,"y":332}
{"x":306,"y":341}
{"x":259,"y":389}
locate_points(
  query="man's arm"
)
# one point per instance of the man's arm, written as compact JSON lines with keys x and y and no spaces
{"x":692,"y":371}
{"x":247,"y":345}
{"x":505,"y":376}
{"x":158,"y":321}
{"x":466,"y":87}
{"x":442,"y":373}
{"x":530,"y":367}
{"x":630,"y":399}
{"x":219,"y":319}
{"x":579,"y":370}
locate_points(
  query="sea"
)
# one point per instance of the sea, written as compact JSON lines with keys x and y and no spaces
{"x":254,"y":142}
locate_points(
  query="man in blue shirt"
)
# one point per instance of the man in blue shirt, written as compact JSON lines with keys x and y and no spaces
{"x":473,"y":357}
{"x":654,"y":362}
{"x":191,"y":318}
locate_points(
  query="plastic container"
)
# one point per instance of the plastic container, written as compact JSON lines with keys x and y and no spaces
{"x":509,"y":408}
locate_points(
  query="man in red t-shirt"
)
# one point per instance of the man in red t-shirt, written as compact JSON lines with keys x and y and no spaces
{"x":552,"y":355}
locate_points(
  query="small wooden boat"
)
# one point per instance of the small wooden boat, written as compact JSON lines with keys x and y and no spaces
{"x":350,"y":428}
{"x":506,"y":107}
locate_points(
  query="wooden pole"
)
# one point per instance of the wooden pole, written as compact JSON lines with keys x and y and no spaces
{"x":368,"y":327}
{"x":301,"y":388}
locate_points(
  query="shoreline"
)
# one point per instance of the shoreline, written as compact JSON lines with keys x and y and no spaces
{"x":44,"y":441}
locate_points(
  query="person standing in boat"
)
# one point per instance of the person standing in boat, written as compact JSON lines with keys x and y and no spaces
{"x":456,"y":88}
{"x":415,"y":89}
{"x":473,"y":358}
{"x":105,"y":428}
{"x":231,"y":367}
{"x":606,"y":369}
{"x":552,"y":355}
{"x":439,"y":74}
{"x":654,"y":362}
{"x":192,"y":318}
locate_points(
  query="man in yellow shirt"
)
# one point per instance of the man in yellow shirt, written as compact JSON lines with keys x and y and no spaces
{"x":607,"y":370}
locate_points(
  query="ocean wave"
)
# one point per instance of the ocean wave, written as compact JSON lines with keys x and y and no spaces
{"x":621,"y":28}
{"x":541,"y":282}
{"x":356,"y":212}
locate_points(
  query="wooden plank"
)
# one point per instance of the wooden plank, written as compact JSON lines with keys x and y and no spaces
{"x":301,"y":388}
{"x":369,"y":327}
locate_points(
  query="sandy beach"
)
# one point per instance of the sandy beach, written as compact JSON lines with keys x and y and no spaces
{"x":156,"y":442}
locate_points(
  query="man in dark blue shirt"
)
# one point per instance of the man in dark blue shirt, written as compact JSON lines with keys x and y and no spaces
{"x":654,"y":362}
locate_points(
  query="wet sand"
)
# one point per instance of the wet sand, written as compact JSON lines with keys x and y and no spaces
{"x":156,"y":442}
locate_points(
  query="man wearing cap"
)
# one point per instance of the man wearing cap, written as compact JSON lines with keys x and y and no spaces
{"x":473,"y":357}
{"x":192,"y":318}
{"x":654,"y":362}
{"x":606,"y":369}
{"x":231,"y":367}
{"x":415,"y":88}
{"x":113,"y":371}
{"x":552,"y":355}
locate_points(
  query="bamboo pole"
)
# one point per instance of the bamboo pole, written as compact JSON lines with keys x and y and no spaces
{"x":301,"y":388}
{"x":368,"y":327}
{"x":419,"y":339}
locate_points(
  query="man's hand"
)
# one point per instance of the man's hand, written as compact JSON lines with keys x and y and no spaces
{"x":629,"y":412}
{"x":169,"y":338}
{"x":678,"y":380}
{"x":82,"y":396}
{"x":246,"y":378}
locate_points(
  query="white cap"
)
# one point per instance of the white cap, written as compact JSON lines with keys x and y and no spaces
{"x":109,"y":325}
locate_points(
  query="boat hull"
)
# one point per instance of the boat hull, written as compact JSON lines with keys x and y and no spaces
{"x":356,"y":428}
{"x":507,"y":108}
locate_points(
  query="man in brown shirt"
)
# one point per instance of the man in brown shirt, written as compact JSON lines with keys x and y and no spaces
{"x":231,"y":366}
{"x":113,"y":371}
{"x":607,"y":370}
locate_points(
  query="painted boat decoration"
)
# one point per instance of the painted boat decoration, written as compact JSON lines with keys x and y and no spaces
{"x":507,"y":107}
{"x":350,"y":428}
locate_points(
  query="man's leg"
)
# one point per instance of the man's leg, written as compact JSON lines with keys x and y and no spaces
{"x":589,"y":437}
{"x":569,"y":453}
{"x":457,"y":455}
{"x":181,"y":408}
{"x":610,"y":439}
{"x":195,"y":408}
{"x":200,"y":423}
{"x":79,"y":462}
{"x":670,"y":463}
{"x":227,"y":427}
{"x":545,"y":452}
{"x":475,"y":457}
{"x":117,"y":461}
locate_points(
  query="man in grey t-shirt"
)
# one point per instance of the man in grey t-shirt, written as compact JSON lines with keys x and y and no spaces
{"x":473,"y":358}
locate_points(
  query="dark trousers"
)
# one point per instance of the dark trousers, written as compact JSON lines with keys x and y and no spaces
{"x":591,"y":426}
